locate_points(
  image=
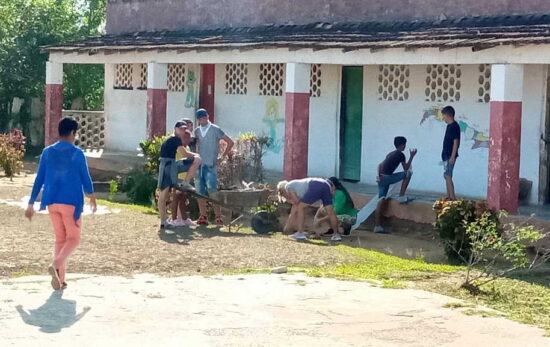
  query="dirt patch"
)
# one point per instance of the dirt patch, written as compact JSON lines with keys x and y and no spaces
{"x":130,"y":242}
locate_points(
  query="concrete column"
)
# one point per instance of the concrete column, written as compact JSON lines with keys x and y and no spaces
{"x":296,"y":120}
{"x":157,"y":93}
{"x":53,"y":101}
{"x":505,"y":137}
{"x":206,"y":94}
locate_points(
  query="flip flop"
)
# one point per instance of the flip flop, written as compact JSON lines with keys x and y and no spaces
{"x":56,"y":282}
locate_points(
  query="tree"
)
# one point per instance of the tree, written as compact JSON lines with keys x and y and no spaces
{"x":25,"y":26}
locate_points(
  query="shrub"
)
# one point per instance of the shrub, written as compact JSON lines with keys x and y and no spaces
{"x":253,"y":148}
{"x":12,"y":150}
{"x":139,"y":186}
{"x":151,"y":150}
{"x":474,"y":235}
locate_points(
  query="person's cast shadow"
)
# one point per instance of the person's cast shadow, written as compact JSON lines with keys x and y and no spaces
{"x":55,"y":314}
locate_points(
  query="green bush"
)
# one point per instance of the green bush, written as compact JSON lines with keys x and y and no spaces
{"x":151,"y":150}
{"x":475,"y":236}
{"x":12,"y":150}
{"x":139,"y":186}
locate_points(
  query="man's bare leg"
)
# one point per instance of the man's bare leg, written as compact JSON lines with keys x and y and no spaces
{"x":193,"y":169}
{"x":290,"y":225}
{"x":163,"y":196}
{"x":202,"y":207}
{"x":404,"y":186}
{"x":378,"y":212}
{"x":450,"y":188}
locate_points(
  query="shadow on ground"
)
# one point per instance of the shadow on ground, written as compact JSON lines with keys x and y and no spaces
{"x":54,"y":315}
{"x":184,"y":235}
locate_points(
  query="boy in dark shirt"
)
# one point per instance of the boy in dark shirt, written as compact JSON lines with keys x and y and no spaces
{"x":169,"y":167}
{"x":387,"y":177}
{"x":451,"y":143}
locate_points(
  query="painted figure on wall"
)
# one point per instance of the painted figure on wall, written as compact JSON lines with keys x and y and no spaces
{"x":190,"y":100}
{"x":480,"y":139}
{"x":272,"y":118}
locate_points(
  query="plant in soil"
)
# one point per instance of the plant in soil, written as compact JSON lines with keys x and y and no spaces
{"x":12,"y":150}
{"x":474,"y":235}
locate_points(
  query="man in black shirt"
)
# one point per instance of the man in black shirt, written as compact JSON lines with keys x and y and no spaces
{"x":451,"y":143}
{"x":169,"y":167}
{"x":386,"y":177}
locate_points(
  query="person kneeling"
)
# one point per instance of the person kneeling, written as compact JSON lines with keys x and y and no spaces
{"x":343,"y":207}
{"x":301,"y":194}
{"x":387,"y":177}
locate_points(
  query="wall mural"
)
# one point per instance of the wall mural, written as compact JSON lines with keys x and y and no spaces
{"x":479,"y":138}
{"x":272,"y":117}
{"x":190,"y":100}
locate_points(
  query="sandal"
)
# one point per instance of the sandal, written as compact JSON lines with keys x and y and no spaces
{"x":64,"y":285}
{"x":56,"y":283}
{"x":219,"y":221}
{"x":202,"y":220}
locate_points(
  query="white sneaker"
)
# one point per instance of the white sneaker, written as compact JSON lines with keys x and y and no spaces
{"x":299,"y":236}
{"x":190,"y":223}
{"x":177,"y":222}
{"x":336,"y":237}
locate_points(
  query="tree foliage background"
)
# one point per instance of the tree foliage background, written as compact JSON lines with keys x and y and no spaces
{"x":25,"y":26}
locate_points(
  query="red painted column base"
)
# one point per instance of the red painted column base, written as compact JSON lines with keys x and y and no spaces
{"x":504,"y":156}
{"x":296,"y":135}
{"x":53,"y":112}
{"x":156,"y":112}
{"x":206,"y":95}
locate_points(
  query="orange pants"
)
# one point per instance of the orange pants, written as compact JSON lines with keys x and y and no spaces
{"x":67,"y":235}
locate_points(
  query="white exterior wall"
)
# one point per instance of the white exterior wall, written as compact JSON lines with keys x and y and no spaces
{"x":383,"y":120}
{"x":175,"y":104}
{"x":243,"y":113}
{"x":126,"y":112}
{"x":237,"y":114}
{"x":125,"y":115}
{"x":324,"y":120}
{"x":532,"y":120}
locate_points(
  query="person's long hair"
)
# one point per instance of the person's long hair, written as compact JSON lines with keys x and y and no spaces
{"x":339,"y":186}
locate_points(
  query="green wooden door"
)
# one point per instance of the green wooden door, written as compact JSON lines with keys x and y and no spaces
{"x":351,"y":122}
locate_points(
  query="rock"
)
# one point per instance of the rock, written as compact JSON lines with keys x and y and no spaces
{"x":279,"y":270}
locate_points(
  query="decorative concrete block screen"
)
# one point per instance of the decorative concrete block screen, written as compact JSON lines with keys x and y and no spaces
{"x":236,"y":79}
{"x":142,"y":83}
{"x":123,"y":76}
{"x":484,"y":81}
{"x":443,"y":83}
{"x":176,"y":77}
{"x":393,"y":82}
{"x":91,"y":132}
{"x":315,"y":81}
{"x":272,"y":78}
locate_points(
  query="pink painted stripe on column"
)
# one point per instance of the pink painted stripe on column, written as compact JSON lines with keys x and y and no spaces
{"x":156,"y":112}
{"x":53,"y":112}
{"x":296,"y":135}
{"x":504,"y":155}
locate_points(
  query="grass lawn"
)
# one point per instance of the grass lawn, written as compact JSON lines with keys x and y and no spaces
{"x":517,"y":299}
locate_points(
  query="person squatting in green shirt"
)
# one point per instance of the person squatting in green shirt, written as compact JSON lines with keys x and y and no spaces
{"x":343,"y":207}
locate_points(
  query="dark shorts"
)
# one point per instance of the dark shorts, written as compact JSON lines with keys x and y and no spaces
{"x":318,"y":190}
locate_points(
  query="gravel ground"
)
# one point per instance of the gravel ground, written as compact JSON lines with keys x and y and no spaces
{"x":129,"y":242}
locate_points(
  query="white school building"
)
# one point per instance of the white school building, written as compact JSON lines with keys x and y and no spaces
{"x":332,"y":95}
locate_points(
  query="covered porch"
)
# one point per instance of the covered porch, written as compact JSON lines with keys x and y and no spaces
{"x":293,"y":77}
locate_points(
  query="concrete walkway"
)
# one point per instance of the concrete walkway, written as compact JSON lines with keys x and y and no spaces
{"x":253,"y":310}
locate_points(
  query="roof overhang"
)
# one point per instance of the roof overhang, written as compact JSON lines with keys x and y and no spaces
{"x":477,"y":39}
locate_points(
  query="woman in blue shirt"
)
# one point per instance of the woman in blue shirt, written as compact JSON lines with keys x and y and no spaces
{"x":63,"y":174}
